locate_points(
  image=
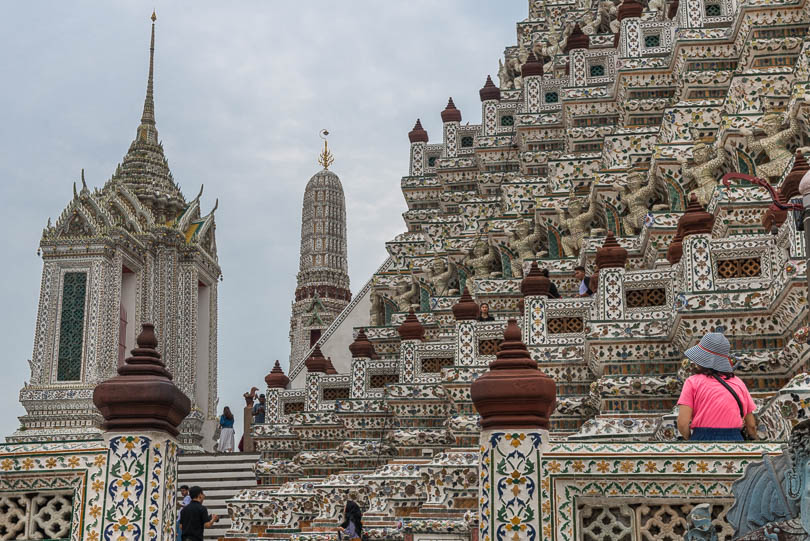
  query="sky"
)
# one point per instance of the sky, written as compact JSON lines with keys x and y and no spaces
{"x":241,"y":91}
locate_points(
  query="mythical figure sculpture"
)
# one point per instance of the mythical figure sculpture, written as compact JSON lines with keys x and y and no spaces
{"x":525,"y":243}
{"x":703,"y":171}
{"x":700,"y":524}
{"x":250,"y":396}
{"x":577,"y":224}
{"x":504,"y":78}
{"x":440,"y":276}
{"x":481,"y":258}
{"x":774,"y":143}
{"x":377,"y":311}
{"x":636,"y":197}
{"x":776,"y":494}
{"x":406,"y":293}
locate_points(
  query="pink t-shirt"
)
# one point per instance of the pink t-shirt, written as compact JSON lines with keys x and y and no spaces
{"x":712,"y":404}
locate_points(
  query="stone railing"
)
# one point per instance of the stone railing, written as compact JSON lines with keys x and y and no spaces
{"x":36,"y":515}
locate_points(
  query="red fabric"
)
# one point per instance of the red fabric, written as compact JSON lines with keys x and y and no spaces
{"x":712,"y":405}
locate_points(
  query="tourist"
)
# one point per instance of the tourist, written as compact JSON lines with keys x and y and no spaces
{"x":352,"y":526}
{"x":258,"y":411}
{"x":194,"y":517}
{"x":226,"y":434}
{"x":184,"y":502}
{"x":714,"y":404}
{"x":483,"y":313}
{"x":553,"y":292}
{"x":584,"y":282}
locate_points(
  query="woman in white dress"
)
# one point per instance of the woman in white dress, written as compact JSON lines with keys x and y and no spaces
{"x":226,"y":433}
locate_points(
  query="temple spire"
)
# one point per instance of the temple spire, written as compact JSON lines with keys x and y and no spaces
{"x":148,"y":116}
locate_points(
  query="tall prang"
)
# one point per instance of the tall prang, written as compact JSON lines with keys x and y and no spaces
{"x":131,"y":252}
{"x":322,"y":291}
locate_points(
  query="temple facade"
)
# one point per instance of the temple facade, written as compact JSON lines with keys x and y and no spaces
{"x":133,"y":251}
{"x":323,"y":280}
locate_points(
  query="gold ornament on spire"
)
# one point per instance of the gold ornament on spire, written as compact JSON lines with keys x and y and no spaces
{"x":153,"y":17}
{"x":325,"y":158}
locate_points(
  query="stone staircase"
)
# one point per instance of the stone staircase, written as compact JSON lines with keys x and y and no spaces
{"x":221,"y":476}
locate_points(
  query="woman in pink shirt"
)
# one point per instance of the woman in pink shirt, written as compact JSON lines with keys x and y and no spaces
{"x":714,"y":403}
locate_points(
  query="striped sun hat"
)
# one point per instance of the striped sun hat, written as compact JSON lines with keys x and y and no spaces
{"x":711,"y":352}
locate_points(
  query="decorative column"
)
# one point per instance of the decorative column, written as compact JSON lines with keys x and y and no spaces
{"x":515,"y":401}
{"x":695,"y":228}
{"x":411,"y":334}
{"x":276,"y":381}
{"x":628,"y":9}
{"x":532,"y":74}
{"x":142,"y":410}
{"x":419,"y":139}
{"x":490,"y":96}
{"x":466,"y":313}
{"x":804,"y":191}
{"x":535,"y":288}
{"x":316,"y":365}
{"x":451,"y":120}
{"x":610,"y":260}
{"x":362,"y":351}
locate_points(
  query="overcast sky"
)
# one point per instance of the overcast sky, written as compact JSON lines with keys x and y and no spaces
{"x":241,"y":92}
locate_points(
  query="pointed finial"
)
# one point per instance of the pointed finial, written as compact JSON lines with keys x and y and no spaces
{"x":148,"y":116}
{"x":325,"y":158}
{"x":202,"y":187}
{"x":84,"y":184}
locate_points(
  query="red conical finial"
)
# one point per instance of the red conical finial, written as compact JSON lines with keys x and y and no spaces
{"x":362,"y":346}
{"x":695,"y":220}
{"x":411,"y":328}
{"x":514,"y":393}
{"x":489,"y":91}
{"x":465,"y":309}
{"x":276,"y":379}
{"x":142,"y":395}
{"x":611,"y":254}
{"x":316,"y":362}
{"x":675,"y":250}
{"x":535,"y":283}
{"x":577,"y":40}
{"x":450,"y":113}
{"x":418,"y":133}
{"x":629,"y":8}
{"x":532,"y":68}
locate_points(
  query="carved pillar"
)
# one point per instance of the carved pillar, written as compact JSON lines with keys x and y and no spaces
{"x":418,"y":138}
{"x":142,"y":410}
{"x":490,"y":96}
{"x":532,"y":74}
{"x":695,"y":228}
{"x":451,"y":120}
{"x":515,"y":401}
{"x":411,"y":334}
{"x":610,"y":260}
{"x":466,"y":313}
{"x":535,"y":288}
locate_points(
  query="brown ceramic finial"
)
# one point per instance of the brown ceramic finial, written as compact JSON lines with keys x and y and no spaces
{"x":675,"y":250}
{"x":418,"y":133}
{"x":629,"y":8}
{"x":577,"y":40}
{"x":514,"y":393}
{"x":532,"y":67}
{"x":465,"y":309}
{"x":330,"y":368}
{"x":790,"y":186}
{"x":611,"y":254}
{"x":276,"y":379}
{"x":450,"y":113}
{"x":316,"y":362}
{"x":695,"y":220}
{"x":142,"y":396}
{"x":534,"y":283}
{"x":489,"y":91}
{"x":673,"y":9}
{"x":362,"y":347}
{"x":411,"y":329}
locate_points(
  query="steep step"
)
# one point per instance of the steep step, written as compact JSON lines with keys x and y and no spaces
{"x":221,"y":476}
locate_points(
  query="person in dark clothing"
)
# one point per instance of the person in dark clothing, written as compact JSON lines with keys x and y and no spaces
{"x":352,"y":526}
{"x":553,"y":293}
{"x":483,"y":313}
{"x":194,"y":517}
{"x":583,"y":282}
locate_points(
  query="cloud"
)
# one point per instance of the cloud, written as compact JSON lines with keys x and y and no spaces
{"x":241,"y":92}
